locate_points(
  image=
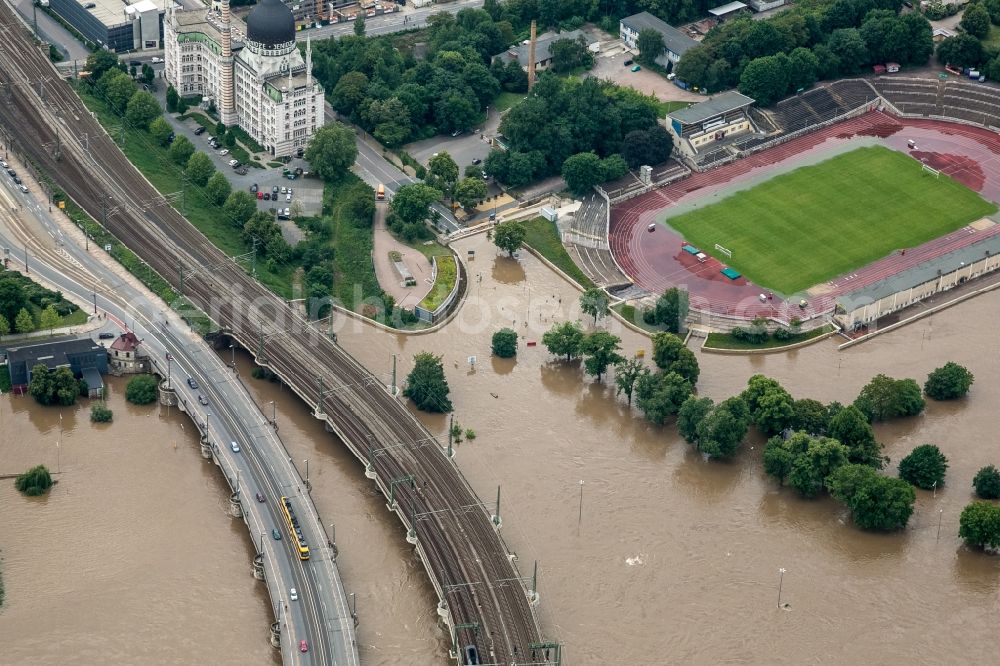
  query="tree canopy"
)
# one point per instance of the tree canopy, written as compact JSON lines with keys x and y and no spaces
{"x":804,"y":462}
{"x":876,"y":502}
{"x":142,"y":390}
{"x":885,"y":398}
{"x":660,"y":395}
{"x":332,"y":150}
{"x":509,"y":235}
{"x":199,"y":168}
{"x":949,"y":382}
{"x":504,"y":343}
{"x":36,"y":481}
{"x":53,"y":387}
{"x":979,"y":525}
{"x":987,"y":483}
{"x":426,"y":384}
{"x":600,"y":350}
{"x":924,"y":467}
{"x":595,"y":302}
{"x":564,"y":339}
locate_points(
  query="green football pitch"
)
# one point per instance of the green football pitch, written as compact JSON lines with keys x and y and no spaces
{"x":810,"y":225}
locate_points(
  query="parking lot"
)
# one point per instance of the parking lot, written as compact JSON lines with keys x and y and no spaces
{"x":463,"y":148}
{"x":612,"y":67}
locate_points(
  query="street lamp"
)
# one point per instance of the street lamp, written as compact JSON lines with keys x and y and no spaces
{"x":580,"y":517}
{"x":781,"y":579}
{"x":306,"y":461}
{"x":233,"y":348}
{"x":274,"y":417}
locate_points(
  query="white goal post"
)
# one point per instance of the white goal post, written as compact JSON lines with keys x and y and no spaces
{"x":931,"y":171}
{"x":723,"y":250}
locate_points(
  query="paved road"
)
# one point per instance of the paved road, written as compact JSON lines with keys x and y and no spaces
{"x":262,"y":465}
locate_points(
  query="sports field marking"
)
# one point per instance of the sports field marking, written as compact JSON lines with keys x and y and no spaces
{"x":810,"y":225}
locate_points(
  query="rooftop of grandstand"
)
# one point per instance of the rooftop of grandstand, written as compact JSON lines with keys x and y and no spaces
{"x":715,"y":106}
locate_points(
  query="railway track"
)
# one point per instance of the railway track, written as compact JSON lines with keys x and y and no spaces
{"x":463,"y":553}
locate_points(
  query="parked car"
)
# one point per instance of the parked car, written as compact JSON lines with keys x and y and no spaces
{"x":636,"y":68}
{"x":267,"y":196}
{"x":253,"y":188}
{"x":156,"y":59}
{"x":261,"y":195}
{"x":289,"y":190}
{"x":106,"y":336}
{"x":234,"y":163}
{"x":4,"y":164}
{"x":274,"y":190}
{"x":627,"y":63}
{"x":224,"y":151}
{"x":23,"y":188}
{"x":477,"y":161}
{"x":171,"y":137}
{"x":202,"y":399}
{"x":198,"y":131}
{"x":288,"y":212}
{"x":192,"y":383}
{"x":17,"y":181}
{"x":288,"y":198}
{"x":284,"y":189}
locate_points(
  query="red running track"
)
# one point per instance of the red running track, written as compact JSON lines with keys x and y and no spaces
{"x":654,"y":261}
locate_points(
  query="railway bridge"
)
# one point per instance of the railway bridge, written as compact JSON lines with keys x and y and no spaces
{"x":483,"y":597}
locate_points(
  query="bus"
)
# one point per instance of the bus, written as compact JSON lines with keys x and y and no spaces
{"x":380,"y":192}
{"x":292,"y":523}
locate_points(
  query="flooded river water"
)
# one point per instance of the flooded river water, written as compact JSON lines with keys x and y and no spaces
{"x":667,"y":559}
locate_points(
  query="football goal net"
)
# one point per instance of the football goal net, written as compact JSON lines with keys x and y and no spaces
{"x":933,"y":172}
{"x":723,"y":250}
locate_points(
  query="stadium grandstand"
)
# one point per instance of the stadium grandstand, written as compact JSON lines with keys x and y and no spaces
{"x":699,"y":128}
{"x":585,"y":236}
{"x":965,"y":101}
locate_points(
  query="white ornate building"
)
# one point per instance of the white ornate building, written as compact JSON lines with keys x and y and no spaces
{"x":252,"y":72}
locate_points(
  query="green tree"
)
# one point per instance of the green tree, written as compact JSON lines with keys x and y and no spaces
{"x":389,"y":120}
{"x":993,"y":7}
{"x":100,"y":413}
{"x":349,"y":92}
{"x":12,"y":298}
{"x":564,"y":339}
{"x":24,"y":323}
{"x":36,"y":481}
{"x":757,"y":385}
{"x":181,"y":150}
{"x":229,"y":139}
{"x":650,"y":45}
{"x":426,"y":385}
{"x":4,"y":326}
{"x":594,"y":302}
{"x":142,"y":109}
{"x":49,"y":318}
{"x":660,"y":395}
{"x":504,"y":343}
{"x":987,"y":483}
{"x":220,"y":129}
{"x":99,"y":62}
{"x":218,"y":188}
{"x":470,"y":191}
{"x":803,"y":67}
{"x":359,"y":25}
{"x":924,"y":467}
{"x":766,"y":79}
{"x":332,"y":151}
{"x":627,"y":372}
{"x":850,"y":427}
{"x":238,"y":208}
{"x":442,"y":172}
{"x":804,"y":462}
{"x":686,"y":366}
{"x":570,"y":54}
{"x":172,"y":99}
{"x":116,"y":87}
{"x":148,"y":74}
{"x":141,"y":389}
{"x":950,"y":381}
{"x":692,"y":412}
{"x":723,"y":428}
{"x":849,"y":48}
{"x":600,"y":350}
{"x":775,"y":411}
{"x":53,"y":387}
{"x":979,"y":525}
{"x":160,"y":130}
{"x":810,"y":416}
{"x":886,"y":398}
{"x":581,"y":172}
{"x":666,"y":349}
{"x":199,"y":168}
{"x":412,"y":202}
{"x":960,"y":51}
{"x":509,"y":235}
{"x":976,"y":21}
{"x":876,"y":502}
{"x":671,"y":309}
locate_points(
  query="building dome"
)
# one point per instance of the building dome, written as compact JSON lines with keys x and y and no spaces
{"x":271,"y":23}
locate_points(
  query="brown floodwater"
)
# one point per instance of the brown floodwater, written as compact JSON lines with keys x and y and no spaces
{"x":132,"y":557}
{"x":672,"y":559}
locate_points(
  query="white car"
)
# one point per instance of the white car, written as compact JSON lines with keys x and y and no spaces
{"x":4,"y":164}
{"x":289,"y":190}
{"x":233,"y":162}
{"x":293,"y":594}
{"x":156,"y":59}
{"x":235,"y":447}
{"x":23,"y":188}
{"x":224,"y":151}
{"x":288,"y":198}
{"x":284,"y":190}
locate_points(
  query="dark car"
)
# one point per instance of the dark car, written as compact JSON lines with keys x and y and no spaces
{"x":192,"y":383}
{"x":626,"y":63}
{"x":106,"y":336}
{"x":253,"y":188}
{"x":17,"y":181}
{"x":274,"y":190}
{"x":12,"y":173}
{"x":202,"y":399}
{"x":260,"y":498}
{"x":472,"y":655}
{"x":477,"y":161}
{"x":276,"y":534}
{"x":199,"y":131}
{"x":267,"y":196}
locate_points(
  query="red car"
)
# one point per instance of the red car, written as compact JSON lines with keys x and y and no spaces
{"x":260,"y":195}
{"x":303,"y":646}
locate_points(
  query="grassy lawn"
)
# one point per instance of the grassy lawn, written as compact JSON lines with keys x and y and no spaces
{"x":447,"y":274}
{"x":808,"y":226}
{"x":155,"y":164}
{"x":543,"y":237}
{"x":634,"y":316}
{"x":429,"y":248}
{"x":727,"y":341}
{"x":351,"y":245}
{"x":663,"y":108}
{"x":992,"y":39}
{"x":506,"y":100}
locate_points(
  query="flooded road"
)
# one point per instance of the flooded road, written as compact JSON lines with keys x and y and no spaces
{"x":132,"y":558}
{"x":667,"y":558}
{"x":676,"y":559}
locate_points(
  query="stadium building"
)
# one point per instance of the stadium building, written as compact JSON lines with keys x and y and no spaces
{"x":252,"y":72}
{"x":116,"y":25}
{"x":700,"y":125}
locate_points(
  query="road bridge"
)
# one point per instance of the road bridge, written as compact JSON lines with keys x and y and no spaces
{"x":468,"y":562}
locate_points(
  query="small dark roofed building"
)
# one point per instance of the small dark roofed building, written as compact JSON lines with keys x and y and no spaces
{"x":86,"y":358}
{"x":675,"y":41}
{"x":543,"y":49}
{"x":700,"y":125}
{"x":125,"y":357}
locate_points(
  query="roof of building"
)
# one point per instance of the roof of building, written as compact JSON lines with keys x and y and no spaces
{"x":715,"y":106}
{"x":112,"y":12}
{"x":52,"y":353}
{"x":675,"y":40}
{"x":142,"y":6}
{"x":727,"y":8}
{"x":271,"y":23}
{"x":93,"y":378}
{"x":126,"y":342}
{"x":543,"y":45}
{"x":917,"y":275}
